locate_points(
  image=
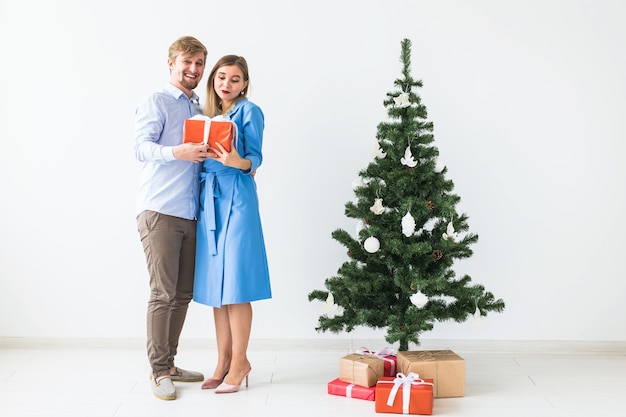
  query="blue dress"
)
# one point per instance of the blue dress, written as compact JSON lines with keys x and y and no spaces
{"x":231,"y":261}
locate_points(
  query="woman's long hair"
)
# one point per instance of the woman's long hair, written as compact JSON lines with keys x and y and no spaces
{"x":213,"y":105}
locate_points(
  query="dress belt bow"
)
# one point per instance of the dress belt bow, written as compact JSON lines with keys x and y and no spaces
{"x":212,"y":191}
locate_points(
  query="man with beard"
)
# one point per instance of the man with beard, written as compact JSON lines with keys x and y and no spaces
{"x":167,"y":207}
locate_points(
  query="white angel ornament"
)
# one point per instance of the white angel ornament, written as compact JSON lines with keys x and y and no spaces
{"x":475,"y":318}
{"x":419,"y":299}
{"x":330,"y":308}
{"x":408,"y":224}
{"x":408,"y":159}
{"x":451,"y":234}
{"x":377,"y":152}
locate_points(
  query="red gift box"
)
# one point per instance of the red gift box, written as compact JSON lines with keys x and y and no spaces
{"x":404,"y":395}
{"x":336,"y":387}
{"x":203,"y":129}
{"x":387,"y":354}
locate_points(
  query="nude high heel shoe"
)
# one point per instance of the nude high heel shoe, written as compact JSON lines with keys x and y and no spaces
{"x":212,"y":383}
{"x":225,"y":388}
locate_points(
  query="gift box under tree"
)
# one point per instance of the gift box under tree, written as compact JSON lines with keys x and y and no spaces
{"x":445,"y":367}
{"x":363,"y":370}
{"x":388,"y":355}
{"x":336,"y":387}
{"x":404,"y":394}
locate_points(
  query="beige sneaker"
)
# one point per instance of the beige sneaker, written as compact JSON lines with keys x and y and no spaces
{"x":164,"y":389}
{"x":183,"y":375}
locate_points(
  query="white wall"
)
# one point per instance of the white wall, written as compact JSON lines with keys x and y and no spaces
{"x":527,"y":98}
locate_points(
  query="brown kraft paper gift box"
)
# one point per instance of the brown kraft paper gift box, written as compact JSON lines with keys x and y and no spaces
{"x":362,"y":370}
{"x":445,"y":367}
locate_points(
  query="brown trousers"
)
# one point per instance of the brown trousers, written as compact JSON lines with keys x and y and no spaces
{"x":169,"y":244}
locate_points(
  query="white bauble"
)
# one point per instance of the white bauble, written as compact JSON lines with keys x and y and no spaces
{"x":439,"y":165}
{"x":358,"y":182}
{"x":371,"y":244}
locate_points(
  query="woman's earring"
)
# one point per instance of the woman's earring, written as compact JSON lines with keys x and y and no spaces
{"x":242,"y":93}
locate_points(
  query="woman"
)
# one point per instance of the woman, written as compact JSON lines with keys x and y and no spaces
{"x":231,"y":262}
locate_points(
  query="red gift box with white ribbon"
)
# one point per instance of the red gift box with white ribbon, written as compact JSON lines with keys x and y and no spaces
{"x":404,"y":394}
{"x":337,"y":387}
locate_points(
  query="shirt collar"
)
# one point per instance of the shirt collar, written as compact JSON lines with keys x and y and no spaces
{"x":177,"y":93}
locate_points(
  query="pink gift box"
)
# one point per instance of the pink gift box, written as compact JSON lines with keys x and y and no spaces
{"x":336,"y":387}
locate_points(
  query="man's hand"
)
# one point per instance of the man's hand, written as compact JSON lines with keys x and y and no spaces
{"x":192,"y":152}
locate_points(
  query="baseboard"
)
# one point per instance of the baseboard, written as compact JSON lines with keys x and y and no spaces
{"x":335,"y":344}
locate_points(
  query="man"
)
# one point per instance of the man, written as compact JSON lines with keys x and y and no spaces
{"x":167,"y":207}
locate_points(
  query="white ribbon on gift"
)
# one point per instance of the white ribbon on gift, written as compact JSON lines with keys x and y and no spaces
{"x":404,"y":381}
{"x":349,"y":390}
{"x":387,"y":351}
{"x":207,"y":126}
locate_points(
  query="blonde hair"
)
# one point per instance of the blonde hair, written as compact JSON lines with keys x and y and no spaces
{"x":186,"y":46}
{"x":213,"y":105}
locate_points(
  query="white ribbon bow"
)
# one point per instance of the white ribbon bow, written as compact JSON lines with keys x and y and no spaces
{"x":404,"y":381}
{"x":387,"y":351}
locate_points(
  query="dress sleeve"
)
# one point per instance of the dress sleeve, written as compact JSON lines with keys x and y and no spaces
{"x":253,"y":123}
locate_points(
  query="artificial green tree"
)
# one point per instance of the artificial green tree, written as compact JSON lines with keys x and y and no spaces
{"x":399,"y":273}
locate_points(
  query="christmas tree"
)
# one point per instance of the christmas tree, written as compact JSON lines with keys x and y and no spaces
{"x":399,"y":274}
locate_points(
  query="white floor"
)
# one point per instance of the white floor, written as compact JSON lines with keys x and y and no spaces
{"x":109,"y":378}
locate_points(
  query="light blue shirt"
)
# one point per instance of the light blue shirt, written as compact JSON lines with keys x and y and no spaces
{"x":167,"y":185}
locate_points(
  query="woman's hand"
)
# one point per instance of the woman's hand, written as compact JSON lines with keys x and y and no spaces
{"x":230,"y":159}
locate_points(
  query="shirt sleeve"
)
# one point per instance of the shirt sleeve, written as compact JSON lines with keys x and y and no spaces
{"x":149,"y":123}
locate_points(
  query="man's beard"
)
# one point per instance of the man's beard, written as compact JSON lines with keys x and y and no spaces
{"x":190,"y":85}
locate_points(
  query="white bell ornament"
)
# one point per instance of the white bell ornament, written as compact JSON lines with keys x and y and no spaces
{"x":378,"y":207}
{"x":402,"y":101}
